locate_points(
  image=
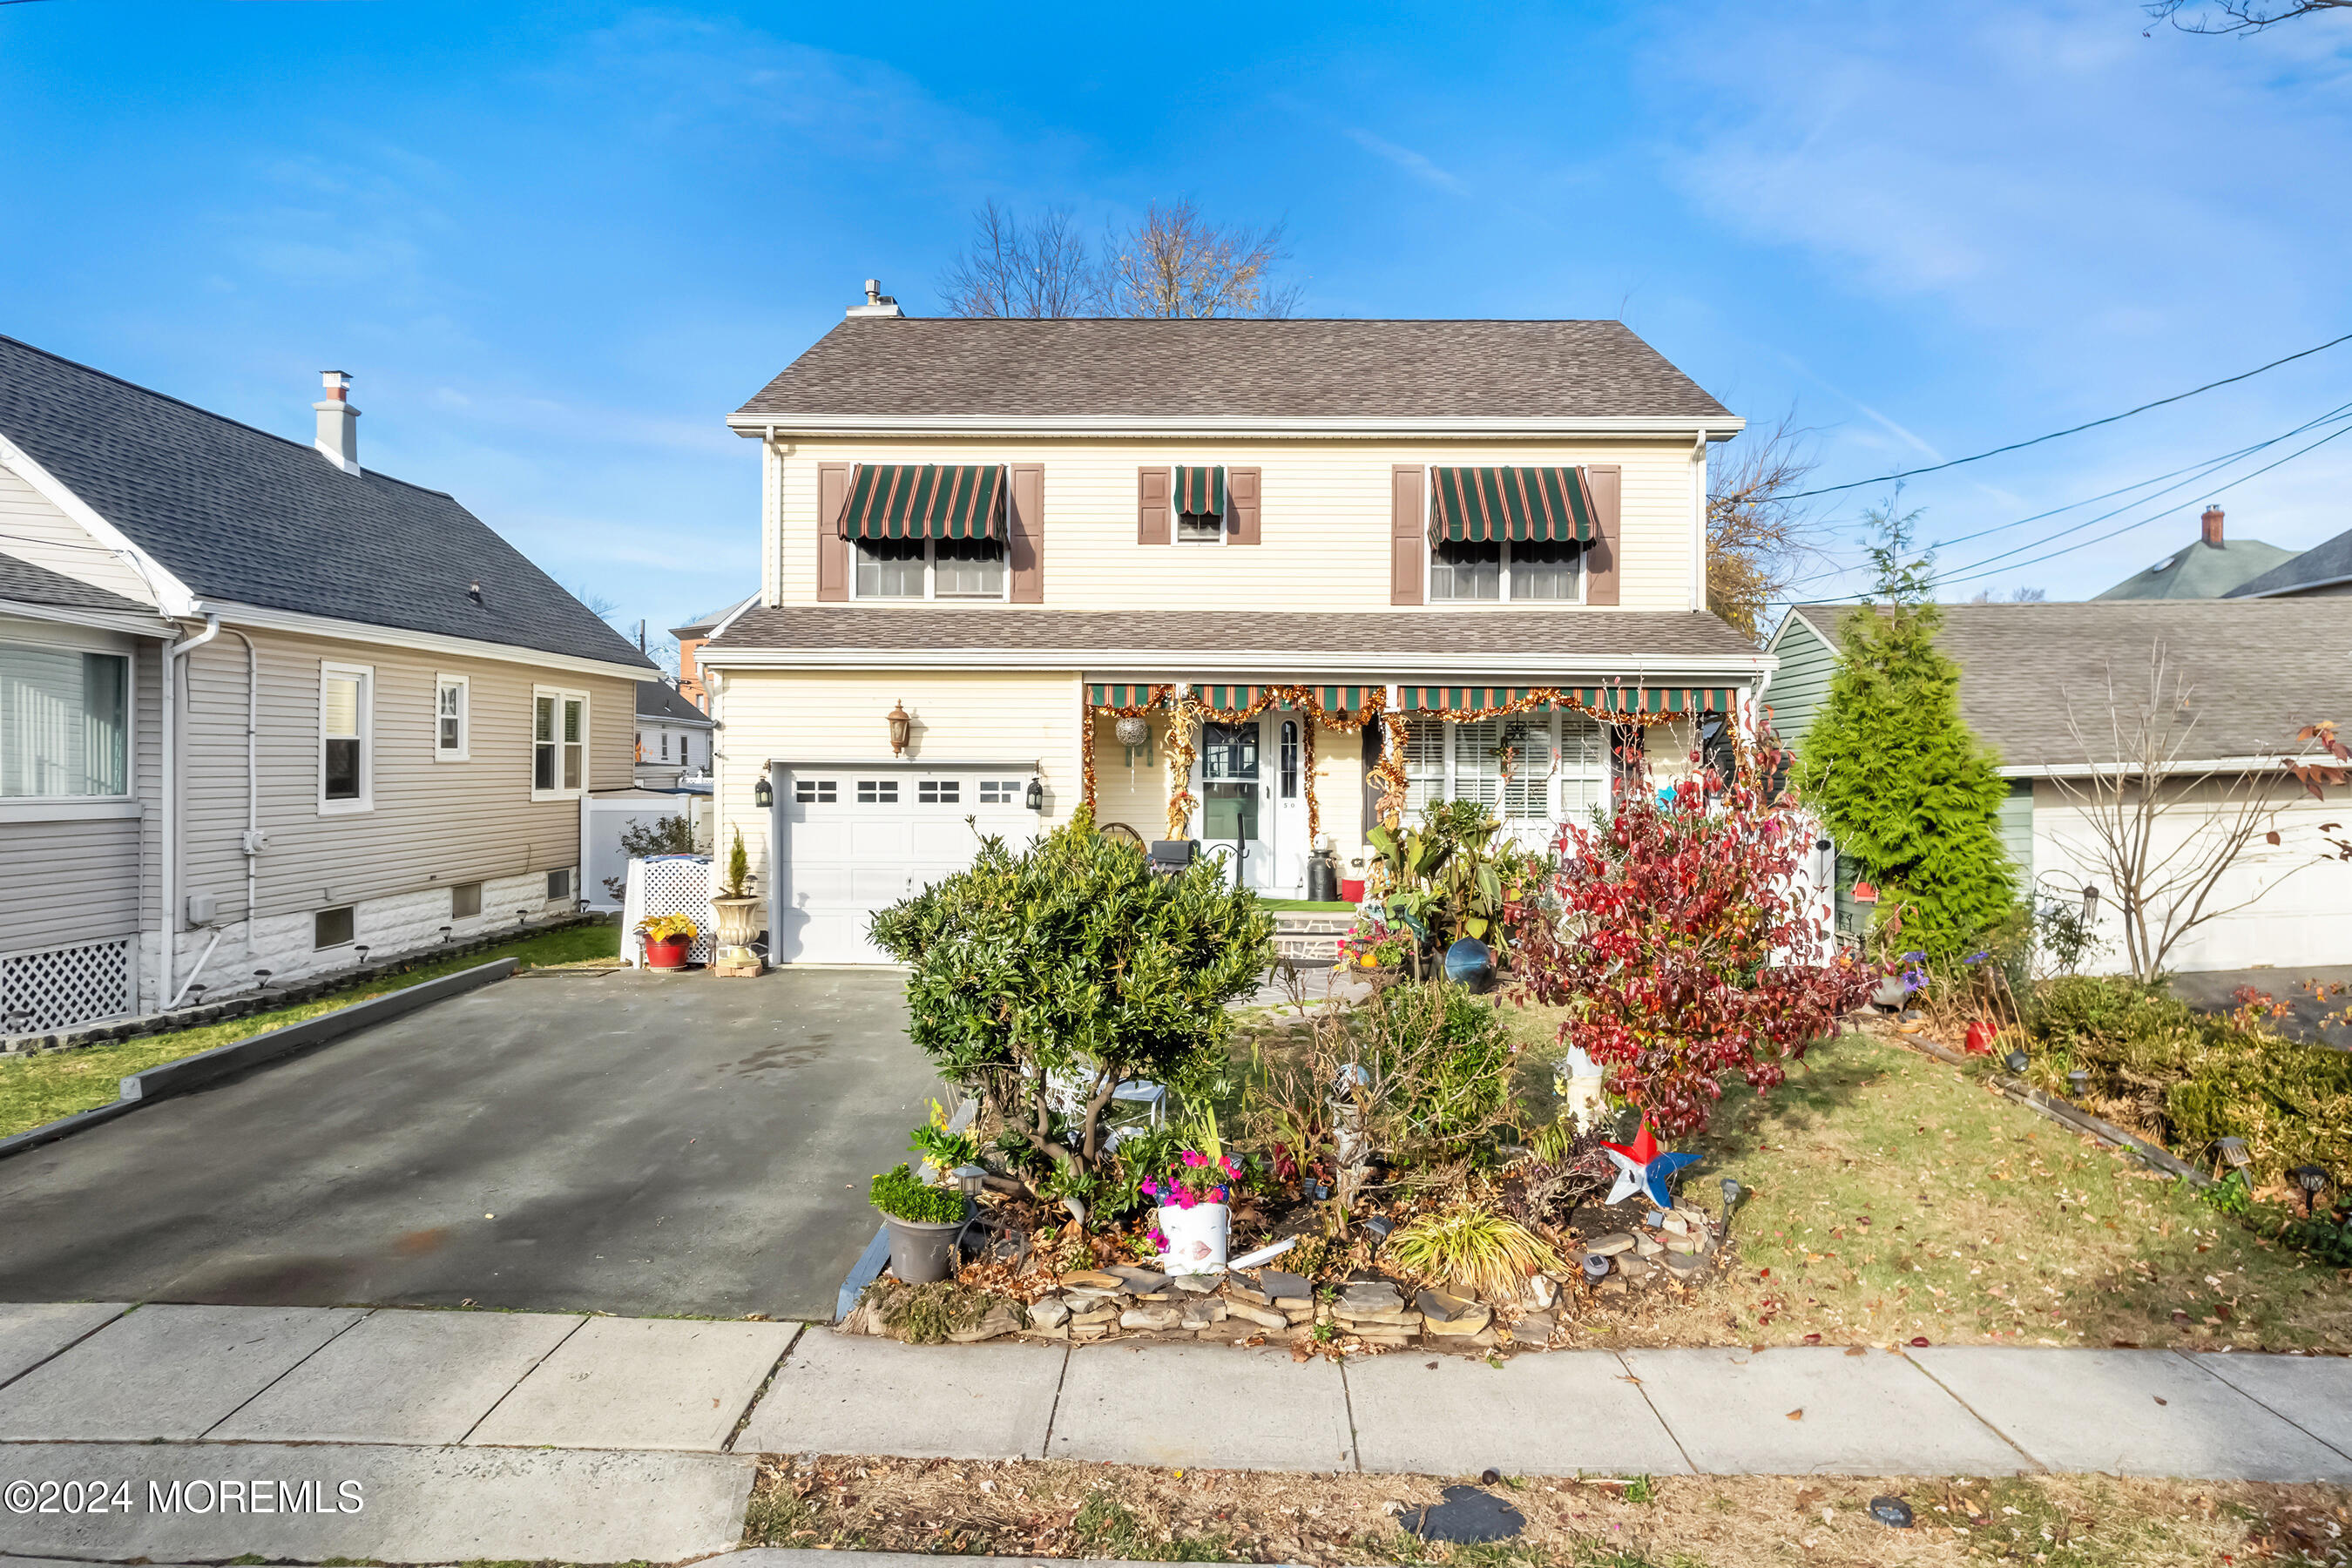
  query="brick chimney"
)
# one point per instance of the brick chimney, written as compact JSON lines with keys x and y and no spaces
{"x":2213,"y":521}
{"x":339,"y":422}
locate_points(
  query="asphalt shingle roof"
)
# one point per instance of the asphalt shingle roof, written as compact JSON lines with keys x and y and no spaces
{"x":2255,"y":671}
{"x":660,"y":699}
{"x":29,"y":585}
{"x":239,"y":514}
{"x":2199,"y":571}
{"x":2330,"y":561}
{"x":1418,"y":637}
{"x":887,"y":366}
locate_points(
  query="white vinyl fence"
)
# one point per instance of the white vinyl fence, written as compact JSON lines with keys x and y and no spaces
{"x":604,"y":864}
{"x":669,"y":885}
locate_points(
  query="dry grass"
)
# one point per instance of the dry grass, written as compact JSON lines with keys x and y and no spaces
{"x":1077,"y":1510}
{"x":1892,"y":1197}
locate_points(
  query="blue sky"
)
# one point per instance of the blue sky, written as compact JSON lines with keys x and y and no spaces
{"x":556,"y":244}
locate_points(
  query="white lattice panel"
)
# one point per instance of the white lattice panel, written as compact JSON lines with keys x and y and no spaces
{"x":671,"y":885}
{"x":61,"y":987}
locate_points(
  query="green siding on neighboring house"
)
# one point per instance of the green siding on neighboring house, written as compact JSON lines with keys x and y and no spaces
{"x":2017,"y":832}
{"x":1802,"y":685}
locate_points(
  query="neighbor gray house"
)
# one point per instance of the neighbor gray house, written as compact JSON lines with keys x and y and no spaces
{"x":264,"y":710}
{"x":2043,"y":685}
{"x":2207,"y":567}
{"x":2322,"y":571}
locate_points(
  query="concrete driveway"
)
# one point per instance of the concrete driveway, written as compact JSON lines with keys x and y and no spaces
{"x":558,"y":1142}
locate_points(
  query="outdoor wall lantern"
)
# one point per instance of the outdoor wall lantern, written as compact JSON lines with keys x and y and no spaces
{"x":900,"y":727}
{"x":1036,"y":796}
{"x":763,"y":794}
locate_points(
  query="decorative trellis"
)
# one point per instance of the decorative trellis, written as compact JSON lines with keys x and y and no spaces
{"x":670,"y":885}
{"x":61,"y":987}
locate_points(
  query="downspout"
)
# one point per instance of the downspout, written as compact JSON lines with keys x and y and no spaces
{"x":169,"y":871}
{"x":254,"y":838}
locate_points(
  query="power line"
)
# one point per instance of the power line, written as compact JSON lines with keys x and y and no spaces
{"x":2072,"y":430}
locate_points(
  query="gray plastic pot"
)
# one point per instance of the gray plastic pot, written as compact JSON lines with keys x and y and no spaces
{"x":921,"y":1252}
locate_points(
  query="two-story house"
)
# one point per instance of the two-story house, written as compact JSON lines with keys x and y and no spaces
{"x":263,"y":709}
{"x":673,"y":737}
{"x":1252,"y":583}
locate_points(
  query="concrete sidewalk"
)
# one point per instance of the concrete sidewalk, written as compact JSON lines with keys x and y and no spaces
{"x":305,"y":1434}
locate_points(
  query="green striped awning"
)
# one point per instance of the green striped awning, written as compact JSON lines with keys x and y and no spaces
{"x":1341,"y":699}
{"x":1600,"y":698}
{"x":1227,"y":698}
{"x":1485,"y":505}
{"x":1457,"y":699}
{"x":1200,"y":492}
{"x":1119,"y":696}
{"x":925,"y":500}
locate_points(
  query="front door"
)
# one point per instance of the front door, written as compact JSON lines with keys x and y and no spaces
{"x":1290,"y":784}
{"x":1236,"y":807}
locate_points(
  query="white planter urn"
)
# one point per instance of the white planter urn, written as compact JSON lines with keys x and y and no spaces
{"x":1196,"y":1238}
{"x":738,"y":924}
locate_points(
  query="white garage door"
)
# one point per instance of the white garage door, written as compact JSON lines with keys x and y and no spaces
{"x":859,"y":837}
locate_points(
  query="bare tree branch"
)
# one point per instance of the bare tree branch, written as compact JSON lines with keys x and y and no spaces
{"x":1176,"y":263}
{"x":2237,"y":15}
{"x":1757,"y":539}
{"x":1007,"y":269}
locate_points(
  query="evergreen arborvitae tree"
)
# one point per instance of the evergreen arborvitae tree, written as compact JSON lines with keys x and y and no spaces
{"x":1910,"y":795}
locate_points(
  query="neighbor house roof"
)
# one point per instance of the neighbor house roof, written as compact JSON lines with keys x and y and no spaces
{"x":1416,"y":641}
{"x":2201,"y":571}
{"x":660,"y":699}
{"x":2253,"y":673}
{"x":895,"y":367}
{"x":702,"y":625}
{"x":241,"y":515}
{"x":2326,"y":565}
{"x":29,"y":585}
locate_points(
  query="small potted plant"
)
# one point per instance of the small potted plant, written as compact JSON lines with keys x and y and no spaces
{"x":669,"y":938}
{"x":1195,"y":1211}
{"x":944,"y":1152}
{"x":738,"y":913}
{"x":923,"y":1221}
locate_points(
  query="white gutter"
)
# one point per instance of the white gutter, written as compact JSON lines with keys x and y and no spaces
{"x":168,"y":873}
{"x":769,"y":427}
{"x":267,"y":619}
{"x":1152,"y":664}
{"x":255,"y":840}
{"x":2177,"y":768}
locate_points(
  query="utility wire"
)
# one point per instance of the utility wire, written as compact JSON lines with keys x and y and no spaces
{"x":2072,"y":430}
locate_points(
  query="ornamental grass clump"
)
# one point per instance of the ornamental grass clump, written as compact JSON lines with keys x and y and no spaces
{"x":1471,"y":1252}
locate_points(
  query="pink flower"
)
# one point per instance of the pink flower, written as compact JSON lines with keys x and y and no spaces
{"x":1231,"y":1168}
{"x":1193,"y":1157}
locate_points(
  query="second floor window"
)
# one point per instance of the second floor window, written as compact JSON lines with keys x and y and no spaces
{"x":450,"y":693}
{"x":1509,"y":534}
{"x":931,"y":568}
{"x":1536,"y":570}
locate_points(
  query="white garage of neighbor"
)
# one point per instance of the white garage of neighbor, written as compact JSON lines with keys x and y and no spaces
{"x":854,"y":838}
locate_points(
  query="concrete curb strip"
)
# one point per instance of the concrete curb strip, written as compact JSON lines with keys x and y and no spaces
{"x":205,"y":1067}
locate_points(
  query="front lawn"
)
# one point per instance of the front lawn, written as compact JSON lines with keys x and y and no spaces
{"x":37,"y":1089}
{"x":1891,"y":1196}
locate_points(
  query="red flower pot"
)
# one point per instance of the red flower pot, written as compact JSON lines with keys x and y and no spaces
{"x":667,"y":953}
{"x":1980,"y":1037}
{"x":1351,"y":890}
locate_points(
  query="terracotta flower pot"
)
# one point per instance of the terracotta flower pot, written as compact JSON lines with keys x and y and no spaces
{"x":667,"y":953}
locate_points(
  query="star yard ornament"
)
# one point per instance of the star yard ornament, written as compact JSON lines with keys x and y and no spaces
{"x":1643,"y":1168}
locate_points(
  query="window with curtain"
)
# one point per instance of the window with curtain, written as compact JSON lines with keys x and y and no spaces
{"x":343,"y":735}
{"x":1424,"y":764}
{"x":64,"y":724}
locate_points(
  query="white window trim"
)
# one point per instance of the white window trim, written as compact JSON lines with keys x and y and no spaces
{"x":465,"y":687}
{"x":587,"y":750}
{"x":1555,"y":778}
{"x":365,"y":675}
{"x":1429,"y":581}
{"x":931,"y":580}
{"x":70,"y":807}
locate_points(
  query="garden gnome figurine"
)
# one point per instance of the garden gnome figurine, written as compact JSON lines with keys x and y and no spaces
{"x":1579,"y":1085}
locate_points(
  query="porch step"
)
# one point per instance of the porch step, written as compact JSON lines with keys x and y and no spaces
{"x":1310,"y":936}
{"x":1307,"y":949}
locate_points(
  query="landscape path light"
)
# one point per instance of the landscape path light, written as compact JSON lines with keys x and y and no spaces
{"x":2312,"y":1180}
{"x":2016,"y":1062}
{"x":2079,"y":1080}
{"x":1596,"y":1268}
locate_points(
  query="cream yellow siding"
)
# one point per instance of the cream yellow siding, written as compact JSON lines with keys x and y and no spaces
{"x":840,"y":715}
{"x":432,"y":823}
{"x":1324,"y":518}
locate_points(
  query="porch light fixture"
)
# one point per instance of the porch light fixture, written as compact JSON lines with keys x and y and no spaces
{"x":763,"y":794}
{"x":901,"y":727}
{"x":2313,"y":1180}
{"x":1035,"y":798}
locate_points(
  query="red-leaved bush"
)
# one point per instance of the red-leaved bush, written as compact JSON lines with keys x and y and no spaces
{"x":1676,"y":938}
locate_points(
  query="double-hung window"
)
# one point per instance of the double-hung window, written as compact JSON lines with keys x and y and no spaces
{"x":1508,"y":535}
{"x":346,"y":740}
{"x":559,"y":743}
{"x":927,"y":531}
{"x":1524,"y":768}
{"x":452,"y":695}
{"x":65,"y":724}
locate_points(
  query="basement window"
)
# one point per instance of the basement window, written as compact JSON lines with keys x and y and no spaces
{"x":331,"y":928}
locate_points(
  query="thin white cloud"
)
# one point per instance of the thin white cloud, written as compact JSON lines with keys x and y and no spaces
{"x":1415,"y":164}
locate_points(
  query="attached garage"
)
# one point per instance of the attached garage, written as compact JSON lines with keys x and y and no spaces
{"x":854,"y":838}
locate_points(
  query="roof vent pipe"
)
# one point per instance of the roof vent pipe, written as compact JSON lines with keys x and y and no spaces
{"x":877,"y":303}
{"x":2213,"y":521}
{"x":339,"y":422}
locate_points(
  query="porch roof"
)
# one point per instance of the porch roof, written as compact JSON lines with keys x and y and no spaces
{"x":1167,"y":644}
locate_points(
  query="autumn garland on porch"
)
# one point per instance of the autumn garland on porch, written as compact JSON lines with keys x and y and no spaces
{"x":1089,"y":713}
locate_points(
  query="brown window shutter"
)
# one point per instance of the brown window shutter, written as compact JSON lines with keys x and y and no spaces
{"x":1241,"y":498}
{"x":1407,"y":541}
{"x":1024,"y":533}
{"x":1601,"y":555}
{"x":831,"y":550}
{"x":1152,"y":488}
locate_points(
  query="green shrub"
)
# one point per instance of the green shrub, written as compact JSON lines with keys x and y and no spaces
{"x":1070,"y":959}
{"x":900,"y":1193}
